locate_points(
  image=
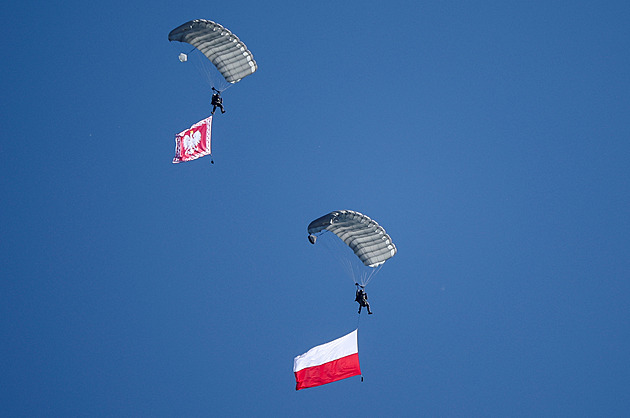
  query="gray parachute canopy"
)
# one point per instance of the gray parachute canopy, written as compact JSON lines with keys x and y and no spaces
{"x":365,"y":237}
{"x":231,"y":57}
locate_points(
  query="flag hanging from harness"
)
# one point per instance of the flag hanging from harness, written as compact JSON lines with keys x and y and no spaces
{"x":194,"y":142}
{"x":326,"y":363}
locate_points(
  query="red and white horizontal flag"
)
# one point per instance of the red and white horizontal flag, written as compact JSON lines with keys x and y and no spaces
{"x":328,"y":362}
{"x":194,"y":142}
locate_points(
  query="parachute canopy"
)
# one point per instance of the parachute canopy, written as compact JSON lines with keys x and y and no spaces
{"x":365,"y":237}
{"x":231,"y":57}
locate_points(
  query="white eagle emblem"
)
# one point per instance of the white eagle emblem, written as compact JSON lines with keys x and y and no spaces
{"x":191,"y":142}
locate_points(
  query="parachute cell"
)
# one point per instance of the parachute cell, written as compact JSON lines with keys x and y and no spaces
{"x":224,"y":49}
{"x":364,"y":236}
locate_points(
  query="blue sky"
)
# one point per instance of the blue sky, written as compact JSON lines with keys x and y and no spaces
{"x":490,"y":140}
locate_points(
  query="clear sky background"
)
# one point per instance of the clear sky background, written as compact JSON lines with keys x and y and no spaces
{"x":490,"y":139}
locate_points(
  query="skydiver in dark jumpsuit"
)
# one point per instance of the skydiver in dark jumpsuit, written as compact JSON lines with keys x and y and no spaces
{"x":216,"y":101}
{"x":361,"y":298}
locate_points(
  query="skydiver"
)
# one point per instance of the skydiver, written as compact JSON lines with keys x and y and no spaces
{"x":361,"y":298}
{"x":216,"y":101}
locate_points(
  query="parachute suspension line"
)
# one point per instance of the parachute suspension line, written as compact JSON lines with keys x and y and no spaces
{"x":354,"y":268}
{"x":373,"y":273}
{"x":193,"y":55}
{"x":347,"y":265}
{"x":339,"y":251}
{"x":203,"y":67}
{"x":206,"y":70}
{"x":225,"y":86}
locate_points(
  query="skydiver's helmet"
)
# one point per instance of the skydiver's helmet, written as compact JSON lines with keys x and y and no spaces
{"x":312,"y":238}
